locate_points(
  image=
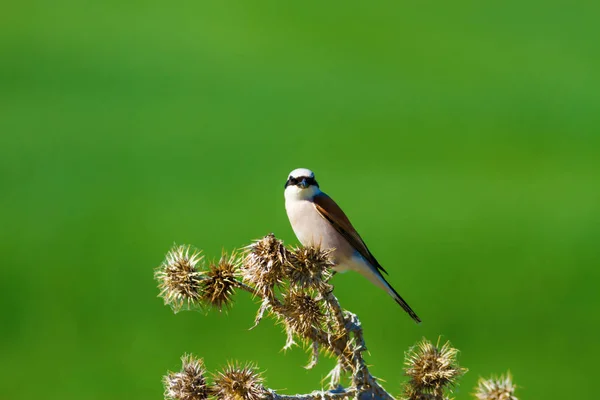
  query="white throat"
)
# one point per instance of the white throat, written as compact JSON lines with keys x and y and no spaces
{"x":295,"y":193}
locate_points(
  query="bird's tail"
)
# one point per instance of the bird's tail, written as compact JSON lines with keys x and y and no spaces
{"x":403,"y":304}
{"x":392,"y":292}
{"x":371,"y":273}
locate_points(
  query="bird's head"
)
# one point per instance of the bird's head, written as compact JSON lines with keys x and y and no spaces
{"x":301,"y":184}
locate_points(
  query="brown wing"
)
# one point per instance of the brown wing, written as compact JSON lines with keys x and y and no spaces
{"x":334,"y":214}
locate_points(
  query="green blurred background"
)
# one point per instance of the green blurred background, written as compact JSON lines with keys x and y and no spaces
{"x":461,"y":139}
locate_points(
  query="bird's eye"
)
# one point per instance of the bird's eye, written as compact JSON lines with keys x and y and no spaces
{"x":293,"y":180}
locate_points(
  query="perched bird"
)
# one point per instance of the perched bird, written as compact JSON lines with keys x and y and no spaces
{"x":318,"y":221}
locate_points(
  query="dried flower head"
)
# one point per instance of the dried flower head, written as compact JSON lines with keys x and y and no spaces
{"x":263,"y":266}
{"x":220,"y":281}
{"x":431,"y":369}
{"x":238,"y":382}
{"x":496,"y":388}
{"x":178,"y":279}
{"x":303,"y":313}
{"x":189,"y":383}
{"x":309,"y":267}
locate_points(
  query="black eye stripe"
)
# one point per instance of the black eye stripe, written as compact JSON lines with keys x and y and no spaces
{"x":295,"y":180}
{"x":311,"y":181}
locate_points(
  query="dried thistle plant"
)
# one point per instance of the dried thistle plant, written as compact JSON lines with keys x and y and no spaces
{"x":501,"y":388}
{"x":309,"y":267}
{"x":302,"y":314}
{"x":264,"y":264}
{"x":178,"y":278}
{"x":293,"y":287}
{"x":433,"y":370}
{"x":237,"y":382}
{"x":220,"y":282}
{"x":189,"y":383}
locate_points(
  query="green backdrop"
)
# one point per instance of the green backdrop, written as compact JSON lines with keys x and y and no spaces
{"x":460,"y":138}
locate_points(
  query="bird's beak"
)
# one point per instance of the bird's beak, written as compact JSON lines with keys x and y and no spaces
{"x":303,"y":183}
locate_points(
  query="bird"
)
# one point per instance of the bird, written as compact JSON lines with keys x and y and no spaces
{"x":317,"y":220}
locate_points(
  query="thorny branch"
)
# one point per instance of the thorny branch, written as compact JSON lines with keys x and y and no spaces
{"x":293,"y":287}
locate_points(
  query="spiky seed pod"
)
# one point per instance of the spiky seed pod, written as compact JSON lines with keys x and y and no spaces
{"x":220,"y":281}
{"x":432,"y":369}
{"x":496,"y":388}
{"x":189,"y":383}
{"x":178,"y":278}
{"x":237,"y":382}
{"x":310,"y":267}
{"x":303,"y":314}
{"x":263,"y":266}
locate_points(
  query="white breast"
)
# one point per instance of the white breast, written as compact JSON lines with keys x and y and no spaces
{"x":312,"y":229}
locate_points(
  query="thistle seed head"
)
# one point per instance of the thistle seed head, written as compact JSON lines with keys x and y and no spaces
{"x":496,"y":388}
{"x":309,"y":267}
{"x":263,"y":266}
{"x":189,"y":383}
{"x":178,"y":278}
{"x":220,"y":281}
{"x":431,"y":369}
{"x":303,"y":314}
{"x":238,"y":382}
